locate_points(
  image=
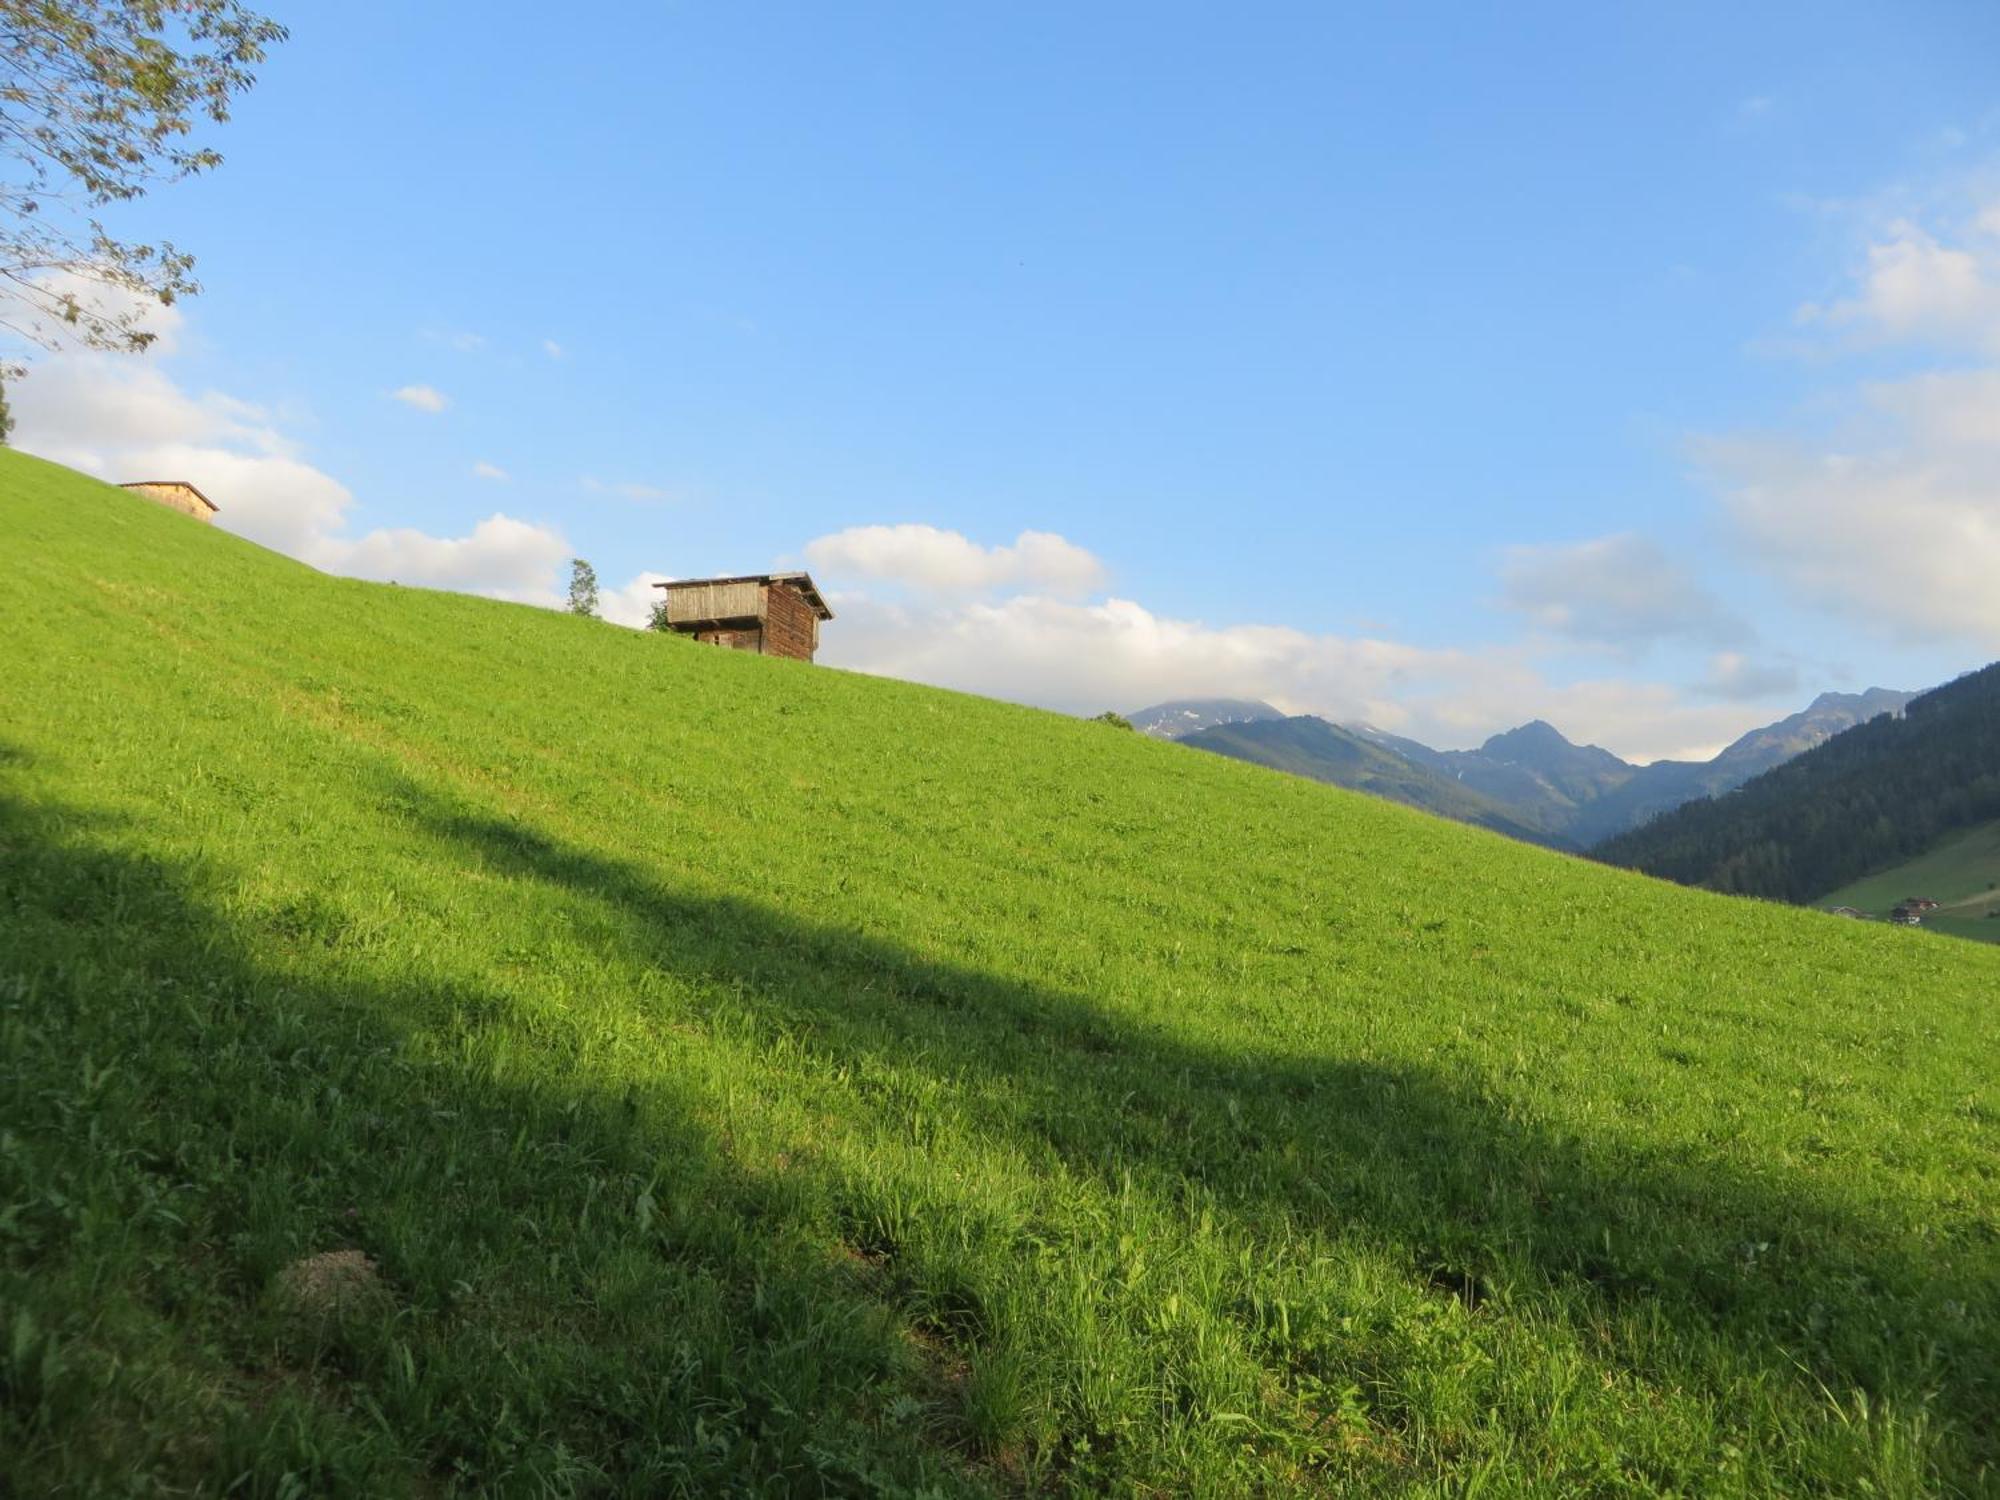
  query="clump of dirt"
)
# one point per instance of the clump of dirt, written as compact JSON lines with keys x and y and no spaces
{"x":331,"y":1286}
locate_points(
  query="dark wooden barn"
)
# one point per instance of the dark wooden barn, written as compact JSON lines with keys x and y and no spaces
{"x":773,"y":614}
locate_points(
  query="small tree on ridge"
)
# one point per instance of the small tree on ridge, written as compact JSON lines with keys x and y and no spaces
{"x":582,"y":588}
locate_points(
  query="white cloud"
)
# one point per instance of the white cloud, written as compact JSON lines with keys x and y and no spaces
{"x":124,"y":418}
{"x":422,"y":397}
{"x":632,"y":604}
{"x":501,"y":557}
{"x":1917,"y":288}
{"x":1733,"y":676}
{"x":1621,"y":591}
{"x":554,"y":350}
{"x":1904,"y":538}
{"x":1115,"y":653}
{"x":1947,"y":410}
{"x":485,"y":470}
{"x":642,"y":494}
{"x":929,"y":559}
{"x":1891,"y":519}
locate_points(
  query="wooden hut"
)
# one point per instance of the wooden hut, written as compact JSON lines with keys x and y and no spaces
{"x":773,"y":614}
{"x":175,"y":494}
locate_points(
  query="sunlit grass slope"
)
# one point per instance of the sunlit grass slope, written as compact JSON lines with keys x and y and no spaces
{"x":749,"y":1077}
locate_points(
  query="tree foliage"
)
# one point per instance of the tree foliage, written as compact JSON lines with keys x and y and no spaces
{"x":100,"y":101}
{"x":582,"y":588}
{"x":6,"y":412}
{"x":1863,"y":801}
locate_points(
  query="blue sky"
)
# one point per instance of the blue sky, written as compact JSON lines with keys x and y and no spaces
{"x":1440,"y":367}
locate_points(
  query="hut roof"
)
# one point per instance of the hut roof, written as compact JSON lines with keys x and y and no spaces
{"x":800,"y":581}
{"x":178,"y":484}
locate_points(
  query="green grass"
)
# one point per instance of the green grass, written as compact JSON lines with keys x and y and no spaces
{"x":1962,"y":875}
{"x":753,"y":1078}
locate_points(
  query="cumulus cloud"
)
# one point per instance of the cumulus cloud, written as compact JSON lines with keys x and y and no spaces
{"x":1890,"y":515}
{"x":1946,"y":411}
{"x":422,"y":397}
{"x":1622,"y":591}
{"x":633,"y":604}
{"x":1918,"y":288}
{"x":485,"y":470}
{"x":928,"y":559}
{"x":125,"y":418}
{"x":501,"y":557}
{"x":1086,"y":656}
{"x":1904,"y":537}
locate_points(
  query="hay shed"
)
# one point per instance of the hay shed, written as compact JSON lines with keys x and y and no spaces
{"x":773,"y":614}
{"x":175,"y":494}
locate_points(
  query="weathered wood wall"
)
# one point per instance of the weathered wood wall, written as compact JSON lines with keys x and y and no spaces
{"x":715,"y":601}
{"x":791,"y":628}
{"x":175,"y":497}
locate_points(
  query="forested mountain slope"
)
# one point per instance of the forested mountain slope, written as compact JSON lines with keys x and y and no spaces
{"x":1865,"y":799}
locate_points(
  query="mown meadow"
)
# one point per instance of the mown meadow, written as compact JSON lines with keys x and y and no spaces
{"x":751,"y":1078}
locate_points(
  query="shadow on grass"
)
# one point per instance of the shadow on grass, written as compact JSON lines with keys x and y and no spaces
{"x":592,"y":1292}
{"x":1431,"y":1166}
{"x":583,"y":1294}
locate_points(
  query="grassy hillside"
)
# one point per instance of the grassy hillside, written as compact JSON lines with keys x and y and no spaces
{"x":749,"y":1078}
{"x":1962,"y":875}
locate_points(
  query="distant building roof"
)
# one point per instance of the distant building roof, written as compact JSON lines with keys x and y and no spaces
{"x":800,"y":581}
{"x":169,"y":484}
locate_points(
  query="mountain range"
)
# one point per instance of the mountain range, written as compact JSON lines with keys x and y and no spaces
{"x":1530,"y":782}
{"x":1185,"y":716}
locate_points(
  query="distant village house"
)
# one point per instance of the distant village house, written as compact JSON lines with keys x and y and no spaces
{"x":773,"y":614}
{"x":175,"y":494}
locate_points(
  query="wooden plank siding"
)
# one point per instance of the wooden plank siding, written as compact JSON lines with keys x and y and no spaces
{"x":791,"y":627}
{"x":737,"y":599}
